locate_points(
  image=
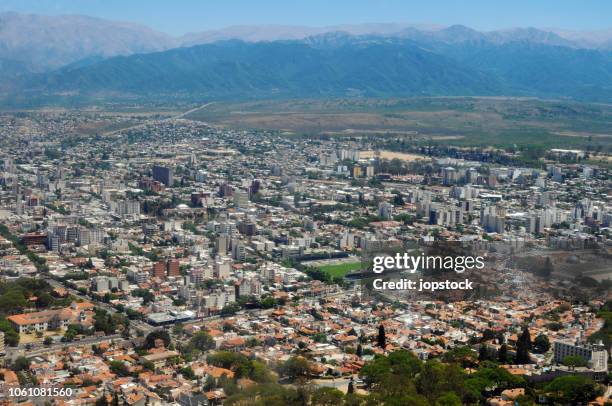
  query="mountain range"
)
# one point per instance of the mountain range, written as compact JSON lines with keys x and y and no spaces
{"x":44,"y":59}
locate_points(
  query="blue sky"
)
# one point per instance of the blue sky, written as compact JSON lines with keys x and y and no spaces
{"x":181,"y":16}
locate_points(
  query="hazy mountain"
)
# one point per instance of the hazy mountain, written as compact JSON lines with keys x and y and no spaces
{"x":97,"y":58}
{"x":340,"y":65}
{"x":292,"y":69}
{"x":531,"y":35}
{"x":43,"y":42}
{"x":538,"y":69}
{"x":452,"y":34}
{"x":10,"y":69}
{"x":49,"y":42}
{"x":252,"y":33}
{"x":597,"y":39}
{"x":272,"y":32}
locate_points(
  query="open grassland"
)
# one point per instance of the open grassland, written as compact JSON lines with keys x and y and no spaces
{"x":457,"y":121}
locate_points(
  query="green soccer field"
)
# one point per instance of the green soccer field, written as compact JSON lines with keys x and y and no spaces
{"x":340,"y":269}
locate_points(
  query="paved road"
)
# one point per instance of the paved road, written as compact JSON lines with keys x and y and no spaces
{"x":193,"y":110}
{"x":141,"y":125}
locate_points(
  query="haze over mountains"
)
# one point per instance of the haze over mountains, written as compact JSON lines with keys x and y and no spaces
{"x":48,"y":58}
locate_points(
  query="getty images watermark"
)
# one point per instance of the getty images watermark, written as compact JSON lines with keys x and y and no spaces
{"x":406,"y":263}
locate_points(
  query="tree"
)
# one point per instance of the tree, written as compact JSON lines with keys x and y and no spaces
{"x":230,"y":309}
{"x":546,"y":269}
{"x":102,"y":401}
{"x":295,"y":367}
{"x":541,"y":344}
{"x":11,"y":337}
{"x":177,"y":329}
{"x":21,"y":364}
{"x":48,"y":341}
{"x":502,"y":354}
{"x":44,"y":300}
{"x":574,"y":361}
{"x":203,"y":341}
{"x":398,"y":368}
{"x":209,"y":383}
{"x":449,"y":399}
{"x":351,"y":387}
{"x":188,"y":373}
{"x":359,"y":351}
{"x":490,"y":376}
{"x":523,"y":346}
{"x":260,"y":373}
{"x":103,"y":321}
{"x":574,"y":389}
{"x":269,"y":395}
{"x":13,"y":301}
{"x":398,"y":200}
{"x":483,"y":353}
{"x":119,"y":368}
{"x":154,"y":335}
{"x":241,"y":365}
{"x":267,"y":302}
{"x":147,"y":298}
{"x":326,"y":397}
{"x":382,"y":339}
{"x":226,"y":359}
{"x":464,"y":356}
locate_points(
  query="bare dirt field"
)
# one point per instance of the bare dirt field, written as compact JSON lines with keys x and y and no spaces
{"x":392,"y":155}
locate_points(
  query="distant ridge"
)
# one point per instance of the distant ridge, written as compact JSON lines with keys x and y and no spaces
{"x":401,"y":60}
{"x":49,"y":42}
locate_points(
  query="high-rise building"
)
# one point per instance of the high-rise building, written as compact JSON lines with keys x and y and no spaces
{"x":126,"y":207}
{"x":247,"y":228}
{"x":100,"y":284}
{"x":138,"y":276}
{"x":449,"y":175}
{"x":196,"y":276}
{"x":255,"y":186}
{"x":163,"y":174}
{"x":248,"y":287}
{"x":223,"y":241}
{"x":385,"y":210}
{"x":9,"y":165}
{"x":241,"y":199}
{"x":159,"y":270}
{"x":238,"y":251}
{"x":221,"y":268}
{"x":595,"y":355}
{"x":225,"y":190}
{"x":492,"y":219}
{"x":174,"y":268}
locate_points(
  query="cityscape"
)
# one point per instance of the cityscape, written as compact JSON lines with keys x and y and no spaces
{"x":213,"y":251}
